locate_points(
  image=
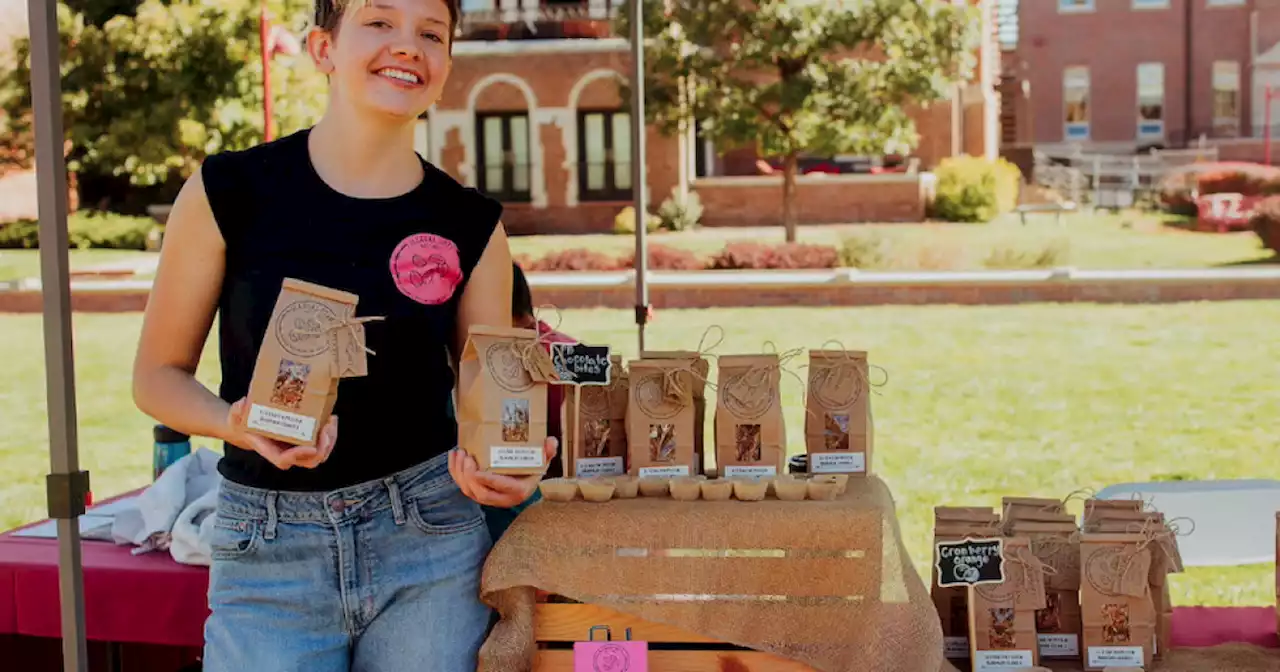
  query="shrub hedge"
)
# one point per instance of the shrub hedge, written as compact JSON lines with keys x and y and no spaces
{"x":86,"y":230}
{"x":975,"y":189}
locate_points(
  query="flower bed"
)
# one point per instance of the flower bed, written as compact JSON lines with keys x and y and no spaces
{"x":868,"y":251}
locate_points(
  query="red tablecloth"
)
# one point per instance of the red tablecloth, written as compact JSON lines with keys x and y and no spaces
{"x":146,"y":598}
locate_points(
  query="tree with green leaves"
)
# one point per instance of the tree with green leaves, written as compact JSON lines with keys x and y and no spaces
{"x":148,"y":94}
{"x":791,"y":77}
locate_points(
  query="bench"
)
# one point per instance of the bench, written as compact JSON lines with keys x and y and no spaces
{"x":1056,"y":208}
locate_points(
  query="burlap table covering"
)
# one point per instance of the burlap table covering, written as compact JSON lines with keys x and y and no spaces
{"x":827,"y":583}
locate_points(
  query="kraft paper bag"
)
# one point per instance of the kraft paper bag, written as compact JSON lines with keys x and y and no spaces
{"x":750,"y":437}
{"x":1002,"y":617}
{"x":1115,"y":601}
{"x":502,"y":400}
{"x":313,"y":340}
{"x":838,"y":429}
{"x":662,"y":426}
{"x":597,"y":445}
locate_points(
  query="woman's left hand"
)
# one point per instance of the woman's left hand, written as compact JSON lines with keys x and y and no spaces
{"x":495,"y":490}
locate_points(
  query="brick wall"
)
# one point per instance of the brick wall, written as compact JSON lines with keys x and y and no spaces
{"x":820,"y":199}
{"x":1107,"y":41}
{"x":561,"y":84}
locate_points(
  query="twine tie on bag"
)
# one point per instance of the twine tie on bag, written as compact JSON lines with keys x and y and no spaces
{"x":672,"y":387}
{"x":1029,"y":566}
{"x":749,"y":385}
{"x":844,"y":364}
{"x":350,"y":323}
{"x":1162,"y":534}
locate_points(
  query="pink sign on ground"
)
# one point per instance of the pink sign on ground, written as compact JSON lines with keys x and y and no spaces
{"x":611,"y":656}
{"x":1225,"y":212}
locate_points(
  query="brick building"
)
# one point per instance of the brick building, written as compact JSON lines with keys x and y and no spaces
{"x":532,"y":114}
{"x":1124,"y":75}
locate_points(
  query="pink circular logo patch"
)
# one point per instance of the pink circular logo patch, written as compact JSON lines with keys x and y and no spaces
{"x":425,"y":268}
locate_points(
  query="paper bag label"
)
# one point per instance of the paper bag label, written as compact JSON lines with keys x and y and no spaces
{"x":1002,"y":660}
{"x":1059,"y":646}
{"x":956,"y":647}
{"x":515,"y":457}
{"x":741,"y":471}
{"x":837,"y":463}
{"x":664,"y":472}
{"x":598,"y":466}
{"x":352,"y":362}
{"x":1116,"y":656}
{"x":284,"y":423}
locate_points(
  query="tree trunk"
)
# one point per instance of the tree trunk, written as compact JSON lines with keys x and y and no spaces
{"x":789,"y":167}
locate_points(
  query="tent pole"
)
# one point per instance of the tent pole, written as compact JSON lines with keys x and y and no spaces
{"x":638,"y":153}
{"x":67,"y":485}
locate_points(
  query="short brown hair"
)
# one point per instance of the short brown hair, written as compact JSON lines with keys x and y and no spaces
{"x":329,"y":14}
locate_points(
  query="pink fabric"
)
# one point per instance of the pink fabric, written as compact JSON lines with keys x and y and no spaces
{"x":1210,"y":626}
{"x":145,"y":599}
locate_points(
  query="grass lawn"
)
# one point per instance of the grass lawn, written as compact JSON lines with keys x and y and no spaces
{"x":1092,"y":241}
{"x":1034,"y":400}
{"x":19,"y":264}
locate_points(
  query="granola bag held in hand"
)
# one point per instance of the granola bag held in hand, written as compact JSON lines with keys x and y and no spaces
{"x":750,"y":438}
{"x":597,"y":445}
{"x":313,"y":339}
{"x":661,"y":419}
{"x":502,"y":400}
{"x":838,"y":430}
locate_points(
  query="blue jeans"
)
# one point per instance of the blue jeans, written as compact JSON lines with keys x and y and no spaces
{"x":378,"y":577}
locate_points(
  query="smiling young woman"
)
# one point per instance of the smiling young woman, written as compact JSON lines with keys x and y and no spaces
{"x":364,"y":551}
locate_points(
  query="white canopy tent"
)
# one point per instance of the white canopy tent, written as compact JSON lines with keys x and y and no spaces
{"x":67,"y":483}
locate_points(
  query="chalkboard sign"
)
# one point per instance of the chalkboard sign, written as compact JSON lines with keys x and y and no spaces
{"x":970,"y":562}
{"x":579,"y":364}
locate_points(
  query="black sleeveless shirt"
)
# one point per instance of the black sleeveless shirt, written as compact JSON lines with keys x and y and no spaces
{"x":408,"y":258}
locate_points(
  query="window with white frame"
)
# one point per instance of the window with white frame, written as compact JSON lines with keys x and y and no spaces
{"x":1226,"y":98}
{"x":1151,"y":4}
{"x":604,"y":155}
{"x":1069,"y":6}
{"x":1150,"y":101}
{"x":503,"y":155}
{"x":1075,"y":95}
{"x":1225,"y":3}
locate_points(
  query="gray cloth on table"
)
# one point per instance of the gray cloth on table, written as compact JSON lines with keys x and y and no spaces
{"x":175,"y":513}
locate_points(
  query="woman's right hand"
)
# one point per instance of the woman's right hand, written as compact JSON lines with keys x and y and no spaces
{"x":282,"y":455}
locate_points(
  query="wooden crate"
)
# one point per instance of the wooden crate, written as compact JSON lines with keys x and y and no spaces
{"x":557,"y":626}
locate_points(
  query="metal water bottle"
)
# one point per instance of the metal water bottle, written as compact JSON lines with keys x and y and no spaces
{"x":171,"y":446}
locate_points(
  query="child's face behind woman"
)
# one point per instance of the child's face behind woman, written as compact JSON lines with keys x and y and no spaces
{"x":387,"y":57}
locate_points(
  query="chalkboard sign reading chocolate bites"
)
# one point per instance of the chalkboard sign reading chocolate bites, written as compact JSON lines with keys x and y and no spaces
{"x":579,"y":364}
{"x":970,"y":562}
